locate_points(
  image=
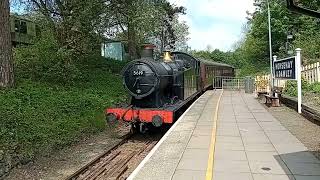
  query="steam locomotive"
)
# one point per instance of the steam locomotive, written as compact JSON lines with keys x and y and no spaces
{"x":160,"y":89}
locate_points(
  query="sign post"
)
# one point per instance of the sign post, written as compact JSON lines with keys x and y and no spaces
{"x":298,"y":72}
{"x":274,"y":60}
{"x":290,"y":69}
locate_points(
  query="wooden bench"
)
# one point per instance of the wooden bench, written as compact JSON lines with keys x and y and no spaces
{"x":272,"y":101}
{"x":278,"y":90}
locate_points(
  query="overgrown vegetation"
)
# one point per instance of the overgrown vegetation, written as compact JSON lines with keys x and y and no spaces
{"x":310,"y":93}
{"x":38,"y":117}
{"x":58,"y":98}
{"x":291,"y":88}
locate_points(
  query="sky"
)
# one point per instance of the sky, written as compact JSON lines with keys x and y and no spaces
{"x":214,"y":23}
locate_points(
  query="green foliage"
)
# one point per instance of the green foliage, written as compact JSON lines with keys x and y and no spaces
{"x":253,"y":50}
{"x":38,"y":117}
{"x":42,"y":114}
{"x":291,"y":88}
{"x":110,"y":65}
{"x":218,"y":56}
{"x":46,"y":61}
{"x":315,"y":88}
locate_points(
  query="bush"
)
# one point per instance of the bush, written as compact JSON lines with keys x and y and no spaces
{"x":291,"y":88}
{"x":46,"y":61}
{"x":96,"y":61}
{"x":58,"y":99}
{"x":315,"y":87}
{"x":37,"y":118}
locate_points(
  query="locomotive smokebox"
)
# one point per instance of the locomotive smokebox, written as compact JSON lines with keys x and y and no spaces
{"x":144,"y":77}
{"x":147,"y":51}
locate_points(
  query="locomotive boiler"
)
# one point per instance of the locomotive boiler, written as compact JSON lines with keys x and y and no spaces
{"x":154,"y":84}
{"x":160,"y":88}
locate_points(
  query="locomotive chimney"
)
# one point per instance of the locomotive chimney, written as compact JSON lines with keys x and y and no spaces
{"x":147,"y":51}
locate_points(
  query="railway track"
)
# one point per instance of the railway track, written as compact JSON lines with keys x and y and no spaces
{"x":307,"y":112}
{"x":118,"y":162}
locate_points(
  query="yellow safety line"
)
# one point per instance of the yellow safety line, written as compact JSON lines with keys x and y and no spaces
{"x":209,"y":173}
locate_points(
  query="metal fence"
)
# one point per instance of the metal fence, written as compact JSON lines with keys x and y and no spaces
{"x":233,"y":84}
{"x":218,"y":81}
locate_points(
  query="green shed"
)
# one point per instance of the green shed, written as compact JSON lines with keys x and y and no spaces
{"x":23,"y":30}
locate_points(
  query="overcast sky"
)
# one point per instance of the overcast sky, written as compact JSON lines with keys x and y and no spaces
{"x":217,"y":23}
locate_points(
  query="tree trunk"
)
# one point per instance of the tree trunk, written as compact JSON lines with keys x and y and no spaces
{"x":132,"y":41}
{"x":6,"y":59}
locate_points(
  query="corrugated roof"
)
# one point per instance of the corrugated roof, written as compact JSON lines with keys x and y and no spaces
{"x":21,"y":17}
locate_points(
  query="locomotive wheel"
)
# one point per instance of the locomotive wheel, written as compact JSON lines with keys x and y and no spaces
{"x":143,"y":128}
{"x":134,"y":128}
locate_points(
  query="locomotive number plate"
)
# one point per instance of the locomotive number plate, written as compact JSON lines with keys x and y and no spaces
{"x":138,"y":73}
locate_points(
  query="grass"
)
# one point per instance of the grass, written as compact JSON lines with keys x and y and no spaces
{"x":40,"y":116}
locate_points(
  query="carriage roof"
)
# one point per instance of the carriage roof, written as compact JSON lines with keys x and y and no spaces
{"x":214,"y":63}
{"x":205,"y":61}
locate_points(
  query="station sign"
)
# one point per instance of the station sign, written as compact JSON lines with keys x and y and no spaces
{"x":285,"y":68}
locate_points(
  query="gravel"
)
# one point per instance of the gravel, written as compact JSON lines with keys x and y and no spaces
{"x":306,"y":131}
{"x":61,"y":164}
{"x":311,"y":100}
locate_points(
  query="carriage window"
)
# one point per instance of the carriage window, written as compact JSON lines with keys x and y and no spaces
{"x":219,"y":72}
{"x":16,"y":25}
{"x":20,"y":26}
{"x":23,"y":27}
{"x":226,"y":71}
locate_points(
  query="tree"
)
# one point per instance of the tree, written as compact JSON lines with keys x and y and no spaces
{"x":73,"y":22}
{"x":169,"y":35}
{"x":6,"y":59}
{"x":181,"y":31}
{"x":81,"y":25}
{"x":143,"y":20}
{"x":252,"y":50}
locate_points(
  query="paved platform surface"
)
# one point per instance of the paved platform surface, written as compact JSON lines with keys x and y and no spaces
{"x":240,"y":140}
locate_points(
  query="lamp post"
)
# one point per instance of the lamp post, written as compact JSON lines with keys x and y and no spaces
{"x":270,"y":48}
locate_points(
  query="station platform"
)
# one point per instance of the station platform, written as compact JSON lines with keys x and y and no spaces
{"x":228,"y":136}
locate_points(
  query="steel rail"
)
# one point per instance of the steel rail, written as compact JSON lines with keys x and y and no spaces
{"x":97,"y":159}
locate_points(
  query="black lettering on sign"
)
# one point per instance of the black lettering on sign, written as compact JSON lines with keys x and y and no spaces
{"x":285,"y":69}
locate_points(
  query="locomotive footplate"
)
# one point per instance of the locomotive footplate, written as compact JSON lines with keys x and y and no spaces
{"x":142,"y":118}
{"x":141,"y":115}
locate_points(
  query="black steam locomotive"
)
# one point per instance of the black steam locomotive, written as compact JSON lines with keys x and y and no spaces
{"x":161,"y":88}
